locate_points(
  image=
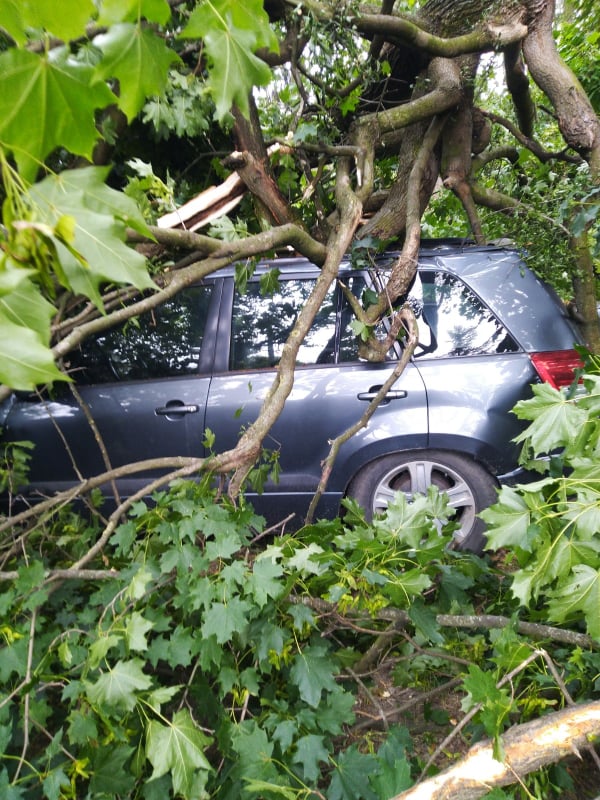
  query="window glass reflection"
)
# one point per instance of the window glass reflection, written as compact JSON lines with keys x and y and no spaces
{"x":453,"y":321}
{"x":262,"y":324}
{"x":161,"y":343}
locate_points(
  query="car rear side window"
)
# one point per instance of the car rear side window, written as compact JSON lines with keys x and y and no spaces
{"x":162,"y":343}
{"x":453,"y":321}
{"x":261,"y":325}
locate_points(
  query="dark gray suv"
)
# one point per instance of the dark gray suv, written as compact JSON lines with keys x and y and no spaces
{"x":488,"y":328}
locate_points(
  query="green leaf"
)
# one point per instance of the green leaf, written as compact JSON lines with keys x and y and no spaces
{"x":555,"y":421}
{"x":508,"y":520}
{"x":177,"y":748}
{"x":46,"y":102}
{"x":31,"y":576}
{"x":303,"y":560}
{"x":496,"y":702}
{"x":253,"y":751}
{"x":118,"y":686}
{"x":394,"y":775}
{"x":110,"y":773}
{"x":425,"y":621}
{"x":54,"y":782}
{"x":578,"y":595}
{"x":310,"y":751}
{"x":223,"y":547}
{"x":100,"y":648}
{"x":25,"y":361}
{"x":11,"y":14}
{"x":406,"y":585}
{"x":223,"y":620}
{"x":232,"y":30}
{"x":114,"y":11}
{"x":99,"y":253}
{"x":266,"y":789}
{"x":181,"y":646}
{"x":136,"y":629}
{"x":313,"y":673}
{"x":351,"y":779}
{"x":65,"y":21}
{"x":139,"y":59}
{"x":24,"y":306}
{"x":267,"y":581}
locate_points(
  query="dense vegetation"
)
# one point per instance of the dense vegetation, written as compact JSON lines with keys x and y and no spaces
{"x":178,"y":649}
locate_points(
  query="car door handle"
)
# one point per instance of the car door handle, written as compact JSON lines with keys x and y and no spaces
{"x":175,"y":409}
{"x":397,"y":394}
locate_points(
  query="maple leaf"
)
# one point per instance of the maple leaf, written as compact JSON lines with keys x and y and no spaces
{"x":313,"y":672}
{"x":580,"y":592}
{"x":118,"y":686}
{"x":177,"y":748}
{"x":508,"y":520}
{"x":310,"y":750}
{"x":225,"y":619}
{"x":98,"y":252}
{"x":139,"y":59}
{"x":231,"y":32}
{"x":136,"y":629}
{"x":25,"y":360}
{"x":114,"y":11}
{"x":554,"y":420}
{"x":351,"y":779}
{"x":45,"y":102}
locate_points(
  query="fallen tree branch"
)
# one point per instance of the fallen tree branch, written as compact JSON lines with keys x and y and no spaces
{"x":527,"y":748}
{"x":486,"y":621}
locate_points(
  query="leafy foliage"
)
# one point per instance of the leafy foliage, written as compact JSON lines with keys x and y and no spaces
{"x":192,"y":663}
{"x":553,"y":524}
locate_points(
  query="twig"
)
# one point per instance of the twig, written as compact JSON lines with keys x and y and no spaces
{"x":27,"y":699}
{"x":376,"y":703}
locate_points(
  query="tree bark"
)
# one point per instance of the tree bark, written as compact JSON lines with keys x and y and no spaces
{"x":527,"y":748}
{"x":577,"y":120}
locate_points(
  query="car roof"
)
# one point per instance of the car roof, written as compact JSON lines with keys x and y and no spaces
{"x":429,"y":248}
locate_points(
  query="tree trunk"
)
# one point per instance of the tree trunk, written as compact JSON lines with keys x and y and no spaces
{"x":527,"y":748}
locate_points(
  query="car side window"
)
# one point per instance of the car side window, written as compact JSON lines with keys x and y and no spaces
{"x":162,"y":343}
{"x":261,"y":325}
{"x":453,"y":321}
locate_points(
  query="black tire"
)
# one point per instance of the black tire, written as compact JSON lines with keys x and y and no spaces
{"x":469,"y":487}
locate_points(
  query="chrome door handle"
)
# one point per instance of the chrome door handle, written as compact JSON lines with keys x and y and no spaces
{"x":175,"y":409}
{"x":397,"y":394}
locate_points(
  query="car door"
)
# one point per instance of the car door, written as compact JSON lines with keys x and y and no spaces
{"x":141,"y":393}
{"x":473,"y":369}
{"x":331,"y":391}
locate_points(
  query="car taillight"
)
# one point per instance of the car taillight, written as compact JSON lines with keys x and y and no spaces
{"x":557,"y":367}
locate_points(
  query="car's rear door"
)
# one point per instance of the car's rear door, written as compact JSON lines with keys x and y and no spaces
{"x":141,"y":393}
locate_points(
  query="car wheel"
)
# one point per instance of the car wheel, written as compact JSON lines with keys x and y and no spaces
{"x":469,"y":487}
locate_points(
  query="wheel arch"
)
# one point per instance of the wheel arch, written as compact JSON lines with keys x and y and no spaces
{"x":482,"y":453}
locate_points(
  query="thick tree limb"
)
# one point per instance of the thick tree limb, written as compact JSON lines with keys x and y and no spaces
{"x":404,"y":30}
{"x":527,"y":748}
{"x":350,"y":210}
{"x":577,"y":119}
